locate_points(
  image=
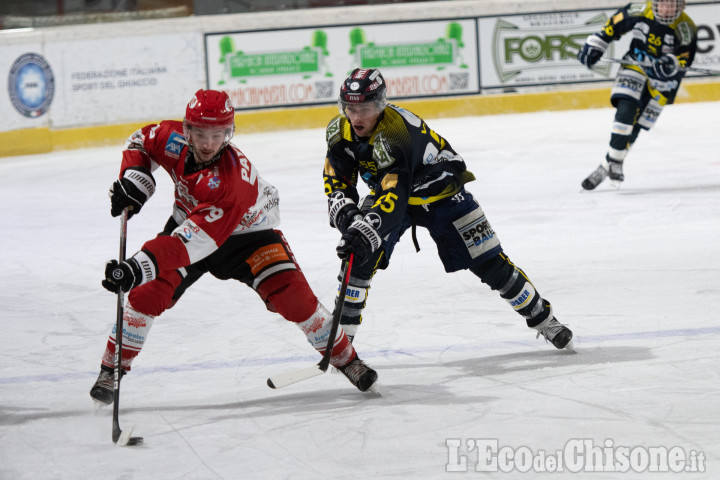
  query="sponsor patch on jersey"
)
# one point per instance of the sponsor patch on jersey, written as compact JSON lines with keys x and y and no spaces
{"x":266,"y":256}
{"x":431,"y":152}
{"x":685,"y":33}
{"x":381,"y":153}
{"x":476,"y":232}
{"x":636,"y":9}
{"x":174,"y":145}
{"x":186,"y":231}
{"x":332,"y":134}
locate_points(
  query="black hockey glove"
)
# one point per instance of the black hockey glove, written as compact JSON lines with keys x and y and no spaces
{"x":130,"y":273}
{"x":592,"y":50}
{"x":665,"y":68}
{"x":342,"y":211}
{"x":361,"y":239}
{"x":131,"y":191}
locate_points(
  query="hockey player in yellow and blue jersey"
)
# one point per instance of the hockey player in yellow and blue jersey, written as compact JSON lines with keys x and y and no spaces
{"x":664,"y":41}
{"x":416,"y":179}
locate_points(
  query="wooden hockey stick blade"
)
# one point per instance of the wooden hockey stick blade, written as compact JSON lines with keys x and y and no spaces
{"x":293,"y":376}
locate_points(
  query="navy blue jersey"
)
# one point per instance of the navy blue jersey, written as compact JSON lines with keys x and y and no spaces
{"x":651,"y":38}
{"x":403,"y":163}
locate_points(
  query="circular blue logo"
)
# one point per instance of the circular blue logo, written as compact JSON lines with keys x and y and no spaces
{"x":31,"y":85}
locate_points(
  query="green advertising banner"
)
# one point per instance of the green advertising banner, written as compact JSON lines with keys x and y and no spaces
{"x":428,"y":58}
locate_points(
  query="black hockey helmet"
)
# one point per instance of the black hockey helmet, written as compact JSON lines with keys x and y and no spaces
{"x":364,"y":85}
{"x":667,"y":11}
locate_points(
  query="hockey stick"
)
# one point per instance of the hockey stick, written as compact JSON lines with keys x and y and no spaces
{"x":118,"y":436}
{"x":293,"y":376}
{"x":646,"y":65}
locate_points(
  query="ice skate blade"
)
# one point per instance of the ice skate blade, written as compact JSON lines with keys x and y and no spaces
{"x":374,"y":390}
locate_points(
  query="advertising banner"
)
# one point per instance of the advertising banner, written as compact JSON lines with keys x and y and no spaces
{"x":76,"y":82}
{"x":530,"y":50}
{"x":306,"y":66}
{"x":707,"y":19}
{"x":99,"y":82}
{"x":540,"y":49}
{"x":121,"y":80}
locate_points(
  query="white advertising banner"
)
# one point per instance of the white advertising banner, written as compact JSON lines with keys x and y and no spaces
{"x":307,"y":66}
{"x":99,"y":81}
{"x":119,"y":80}
{"x":707,"y":19}
{"x":540,"y":49}
{"x":530,"y":50}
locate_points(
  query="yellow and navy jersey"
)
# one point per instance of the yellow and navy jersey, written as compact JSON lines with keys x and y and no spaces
{"x":650,"y":37}
{"x":403,"y":162}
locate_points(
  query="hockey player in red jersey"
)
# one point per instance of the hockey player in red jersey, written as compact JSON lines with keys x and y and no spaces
{"x":664,"y":42}
{"x":416,"y":179}
{"x":224,"y":222}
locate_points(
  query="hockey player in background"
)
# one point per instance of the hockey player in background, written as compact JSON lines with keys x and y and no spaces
{"x":224,"y":222}
{"x":415,"y":179}
{"x":664,"y":41}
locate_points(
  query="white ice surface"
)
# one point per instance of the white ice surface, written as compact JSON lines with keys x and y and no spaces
{"x":634,"y":272}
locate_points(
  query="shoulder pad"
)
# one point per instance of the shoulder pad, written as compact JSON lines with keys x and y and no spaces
{"x":639,"y":9}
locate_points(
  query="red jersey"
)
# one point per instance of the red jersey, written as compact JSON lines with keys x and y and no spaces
{"x":226,"y":198}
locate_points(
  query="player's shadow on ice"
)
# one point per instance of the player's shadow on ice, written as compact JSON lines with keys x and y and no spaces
{"x":548,"y":359}
{"x":332,"y":401}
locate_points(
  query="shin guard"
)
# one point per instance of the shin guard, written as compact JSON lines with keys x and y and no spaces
{"x":317,"y":329}
{"x":513,"y":285}
{"x":136,"y":326}
{"x":355,"y":298}
{"x":288,"y":294}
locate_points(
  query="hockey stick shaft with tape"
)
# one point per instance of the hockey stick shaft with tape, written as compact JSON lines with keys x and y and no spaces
{"x":118,"y":436}
{"x":648,"y":64}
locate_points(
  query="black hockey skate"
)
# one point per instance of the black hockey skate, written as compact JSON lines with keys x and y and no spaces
{"x":102,"y":391}
{"x":359,"y":374}
{"x":556,"y":333}
{"x":596,"y":178}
